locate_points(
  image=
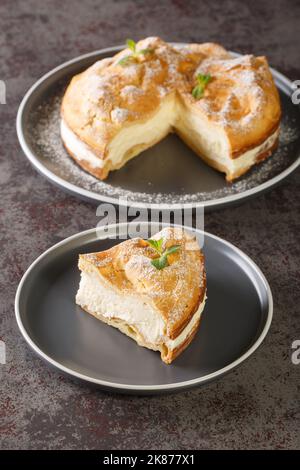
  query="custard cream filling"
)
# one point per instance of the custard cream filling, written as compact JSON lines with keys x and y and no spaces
{"x":99,"y":298}
{"x":134,"y":138}
{"x":212,"y":142}
{"x":129,"y":141}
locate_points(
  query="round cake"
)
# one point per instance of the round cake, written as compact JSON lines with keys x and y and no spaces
{"x":226,"y":108}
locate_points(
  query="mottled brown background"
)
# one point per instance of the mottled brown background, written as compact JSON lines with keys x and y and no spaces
{"x":255,"y":407}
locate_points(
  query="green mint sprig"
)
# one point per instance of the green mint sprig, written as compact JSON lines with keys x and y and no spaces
{"x":131,"y":44}
{"x":162,"y":260}
{"x":202,"y":81}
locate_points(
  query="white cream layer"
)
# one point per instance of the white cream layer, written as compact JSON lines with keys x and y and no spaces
{"x":99,"y":297}
{"x":80,"y":150}
{"x":135,"y":136}
{"x":141,"y":135}
{"x":207,"y":139}
{"x":247,"y":159}
{"x":174,"y":343}
{"x":212,"y":142}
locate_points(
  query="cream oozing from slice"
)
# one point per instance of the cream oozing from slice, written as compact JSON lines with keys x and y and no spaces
{"x":97,"y":296}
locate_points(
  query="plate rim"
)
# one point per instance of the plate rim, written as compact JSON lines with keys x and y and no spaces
{"x":96,"y":197}
{"x":177,"y":386}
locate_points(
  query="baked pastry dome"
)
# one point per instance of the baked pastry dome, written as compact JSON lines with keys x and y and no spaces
{"x":116,"y":108}
{"x":159,"y":308}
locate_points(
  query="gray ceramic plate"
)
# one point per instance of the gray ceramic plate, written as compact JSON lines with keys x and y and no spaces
{"x":235,"y":321}
{"x":169,"y":173}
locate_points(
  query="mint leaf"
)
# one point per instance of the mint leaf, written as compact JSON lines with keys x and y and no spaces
{"x":197,"y":92}
{"x":126,"y":60}
{"x":145,"y":51}
{"x":131,"y":44}
{"x":161,"y":262}
{"x":156,"y":244}
{"x":202,"y":80}
{"x":171,"y":250}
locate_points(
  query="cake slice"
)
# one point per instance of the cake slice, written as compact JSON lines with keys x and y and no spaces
{"x":153,"y":291}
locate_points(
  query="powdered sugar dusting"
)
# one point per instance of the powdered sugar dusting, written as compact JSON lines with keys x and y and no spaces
{"x":131,"y":92}
{"x":97,"y":86}
{"x":245,"y":89}
{"x":119,"y":115}
{"x":131,"y":71}
{"x":45,"y":139}
{"x":175,"y":289}
{"x":162,"y":91}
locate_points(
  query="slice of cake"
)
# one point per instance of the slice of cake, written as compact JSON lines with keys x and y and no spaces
{"x":153,"y":290}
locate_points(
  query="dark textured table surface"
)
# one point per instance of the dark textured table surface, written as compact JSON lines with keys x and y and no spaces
{"x":257,"y":406}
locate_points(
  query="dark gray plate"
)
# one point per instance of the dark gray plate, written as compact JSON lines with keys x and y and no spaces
{"x":235,"y":321}
{"x":169,"y":173}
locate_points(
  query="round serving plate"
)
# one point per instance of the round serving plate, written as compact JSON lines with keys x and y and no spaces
{"x":167,"y":174}
{"x":236,"y":319}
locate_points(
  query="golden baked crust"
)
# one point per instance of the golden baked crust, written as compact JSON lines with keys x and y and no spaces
{"x":241,"y":99}
{"x":168,"y":355}
{"x":175,"y":291}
